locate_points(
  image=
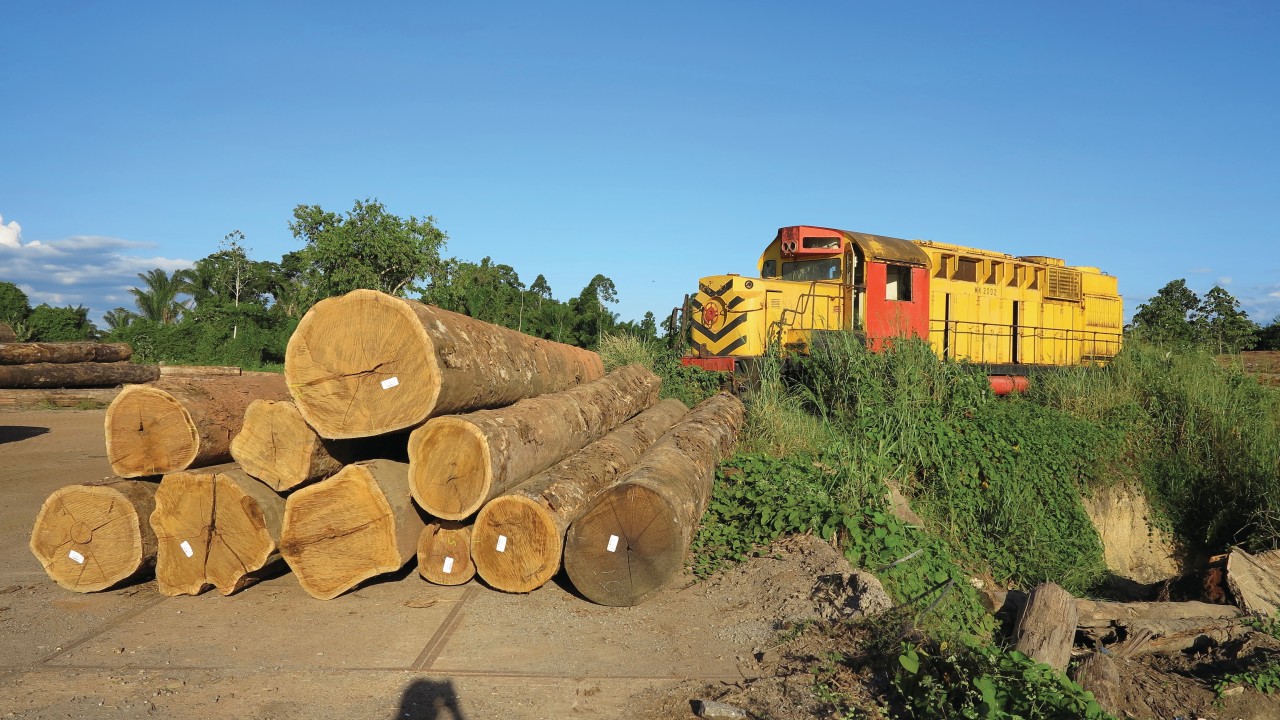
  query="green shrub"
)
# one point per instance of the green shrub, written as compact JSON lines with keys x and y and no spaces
{"x":690,"y":385}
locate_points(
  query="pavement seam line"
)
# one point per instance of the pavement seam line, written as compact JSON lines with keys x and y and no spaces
{"x":65,"y":649}
{"x":443,"y":633}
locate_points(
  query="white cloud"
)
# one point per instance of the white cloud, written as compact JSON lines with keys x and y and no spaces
{"x":1224,"y":281}
{"x":11,"y":234}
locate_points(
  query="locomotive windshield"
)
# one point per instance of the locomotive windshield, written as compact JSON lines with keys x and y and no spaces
{"x":810,"y":270}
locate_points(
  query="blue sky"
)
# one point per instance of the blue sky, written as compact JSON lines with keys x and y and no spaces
{"x":652,"y":142}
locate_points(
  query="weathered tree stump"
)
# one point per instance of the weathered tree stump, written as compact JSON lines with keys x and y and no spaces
{"x":1046,"y":630}
{"x":91,"y":537}
{"x":1097,"y":673}
{"x":444,"y":553}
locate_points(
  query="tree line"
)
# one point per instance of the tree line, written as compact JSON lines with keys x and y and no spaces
{"x":1177,"y":316}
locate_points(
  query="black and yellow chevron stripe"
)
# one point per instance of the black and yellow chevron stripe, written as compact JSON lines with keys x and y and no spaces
{"x":720,"y":331}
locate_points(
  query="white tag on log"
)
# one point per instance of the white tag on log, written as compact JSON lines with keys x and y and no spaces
{"x":390,"y":383}
{"x":448,"y":565}
{"x":613,"y":543}
{"x":186,"y":548}
{"x":502,"y":543}
{"x":76,"y":556}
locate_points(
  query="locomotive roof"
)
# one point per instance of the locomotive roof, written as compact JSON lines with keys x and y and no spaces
{"x":875,"y":248}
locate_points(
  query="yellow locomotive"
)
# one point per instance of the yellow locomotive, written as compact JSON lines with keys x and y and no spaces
{"x":1005,"y":312}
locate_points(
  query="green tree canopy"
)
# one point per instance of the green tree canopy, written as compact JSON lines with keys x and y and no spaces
{"x":1269,"y":336}
{"x":1221,"y":324}
{"x":158,"y":301}
{"x":60,"y":324}
{"x":14,"y":304}
{"x":1166,"y":318}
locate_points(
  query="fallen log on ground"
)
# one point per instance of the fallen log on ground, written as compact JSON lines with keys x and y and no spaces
{"x":180,"y":423}
{"x":91,"y":537}
{"x":1046,"y":629}
{"x":367,"y":363}
{"x":358,"y":524}
{"x":631,"y":540}
{"x":277,"y":446}
{"x":458,"y":462}
{"x":219,"y":529}
{"x":74,"y":375}
{"x":198,"y":370}
{"x":15,"y":353}
{"x":84,"y":398}
{"x":518,"y":537}
{"x":444,"y":553}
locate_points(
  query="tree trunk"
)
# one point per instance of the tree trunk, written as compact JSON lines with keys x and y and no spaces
{"x":63,"y":352}
{"x":353,"y":526}
{"x":198,"y":370}
{"x":444,"y":553}
{"x":1046,"y":629}
{"x":180,"y":423}
{"x":217,"y":529}
{"x":457,"y":462}
{"x":368,"y":363}
{"x":529,"y":522}
{"x":277,"y":446}
{"x":71,"y":375}
{"x":94,"y":536}
{"x":631,"y":540}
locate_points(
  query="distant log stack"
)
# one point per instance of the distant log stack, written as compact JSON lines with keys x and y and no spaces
{"x":75,"y":375}
{"x":518,"y":537}
{"x":444,"y":553}
{"x":277,"y":446}
{"x":179,"y":423}
{"x":219,"y":529}
{"x":457,"y":462}
{"x":65,"y":352}
{"x":94,"y":536}
{"x":358,"y":524}
{"x":632,"y":538}
{"x":367,"y":363}
{"x":6,"y":333}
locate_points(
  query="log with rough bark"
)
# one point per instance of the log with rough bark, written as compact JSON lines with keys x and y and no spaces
{"x":1255,"y":580}
{"x":367,"y":363}
{"x":179,"y":423}
{"x":358,"y":524}
{"x":198,"y":370}
{"x":1098,"y":674}
{"x":444,"y":553}
{"x":219,"y":529}
{"x":458,"y":462}
{"x":631,"y":540}
{"x":1046,"y":630}
{"x":73,"y":375}
{"x":63,"y":352}
{"x":518,"y":537}
{"x":6,"y":333}
{"x":277,"y":446}
{"x":94,"y":536}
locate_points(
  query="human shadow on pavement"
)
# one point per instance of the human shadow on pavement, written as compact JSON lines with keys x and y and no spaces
{"x":430,"y":700}
{"x":14,"y":433}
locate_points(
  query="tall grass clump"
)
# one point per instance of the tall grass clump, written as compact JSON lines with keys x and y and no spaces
{"x":689,"y":385}
{"x":1205,"y":440}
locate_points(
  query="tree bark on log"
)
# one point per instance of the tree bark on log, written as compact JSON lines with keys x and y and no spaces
{"x":1046,"y":630}
{"x":367,"y":363}
{"x":74,"y":375}
{"x":180,"y":423}
{"x":277,"y":446}
{"x":219,"y":529}
{"x":458,"y":462}
{"x":358,"y":524}
{"x":198,"y":370}
{"x":444,"y":553}
{"x":64,"y":352}
{"x":1098,"y":674}
{"x":631,"y":540}
{"x":94,"y":536}
{"x":529,"y":522}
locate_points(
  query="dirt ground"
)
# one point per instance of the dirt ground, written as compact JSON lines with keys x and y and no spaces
{"x":398,"y":648}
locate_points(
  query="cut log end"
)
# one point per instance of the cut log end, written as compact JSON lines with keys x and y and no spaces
{"x":444,"y":553}
{"x":361,"y":365}
{"x":459,"y":475}
{"x":92,"y":537}
{"x":516,"y":544}
{"x":276,"y":446}
{"x":625,"y":548}
{"x":149,"y":432}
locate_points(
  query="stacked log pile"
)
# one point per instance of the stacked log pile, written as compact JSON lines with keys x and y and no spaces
{"x":399,"y":431}
{"x":37,"y":365}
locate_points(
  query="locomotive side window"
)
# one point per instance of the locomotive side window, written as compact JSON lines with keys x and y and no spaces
{"x":897,"y":283}
{"x":770,"y":269}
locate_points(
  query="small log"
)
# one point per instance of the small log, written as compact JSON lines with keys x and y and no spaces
{"x":631,"y":540}
{"x":74,"y":375}
{"x":1098,"y":674}
{"x":91,"y":537}
{"x":180,"y":423}
{"x":529,"y":522}
{"x":358,"y":524}
{"x":15,"y":353}
{"x":458,"y":462}
{"x":1101,"y":613}
{"x":1046,"y":630}
{"x":367,"y":363}
{"x":199,"y":370}
{"x":444,"y":553}
{"x":219,"y":529}
{"x":277,"y":446}
{"x":86,"y":398}
{"x":6,"y":333}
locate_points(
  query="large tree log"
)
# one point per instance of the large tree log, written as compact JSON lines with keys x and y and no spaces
{"x":277,"y":446}
{"x":353,"y":526}
{"x":1046,"y":630}
{"x":368,"y":363}
{"x":219,"y":529}
{"x":518,"y":538}
{"x":631,"y":540}
{"x":457,"y":462}
{"x":63,"y":352}
{"x":179,"y":423}
{"x":444,"y":553}
{"x":85,"y":374}
{"x":94,"y":536}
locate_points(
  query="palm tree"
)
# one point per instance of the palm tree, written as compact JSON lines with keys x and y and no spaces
{"x":118,"y":318}
{"x":159,"y":301}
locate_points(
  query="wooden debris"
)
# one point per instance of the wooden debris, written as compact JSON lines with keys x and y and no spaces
{"x":91,"y":537}
{"x":15,"y":353}
{"x":1046,"y":630}
{"x":75,"y":375}
{"x":1255,"y":580}
{"x":1097,"y":673}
